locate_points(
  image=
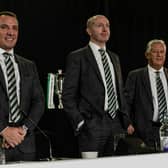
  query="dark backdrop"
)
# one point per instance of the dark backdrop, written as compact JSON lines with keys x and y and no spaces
{"x":49,"y":30}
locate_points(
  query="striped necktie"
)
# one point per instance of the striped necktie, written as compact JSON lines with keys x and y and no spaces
{"x":14,"y":114}
{"x":162,"y":105}
{"x":112,"y":100}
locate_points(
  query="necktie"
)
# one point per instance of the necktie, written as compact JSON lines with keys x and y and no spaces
{"x":112,"y":100}
{"x":14,"y":114}
{"x":162,"y":105}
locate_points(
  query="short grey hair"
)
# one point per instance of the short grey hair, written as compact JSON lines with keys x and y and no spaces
{"x":149,"y":44}
{"x":90,"y":21}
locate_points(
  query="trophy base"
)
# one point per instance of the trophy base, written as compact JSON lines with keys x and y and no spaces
{"x":60,"y":107}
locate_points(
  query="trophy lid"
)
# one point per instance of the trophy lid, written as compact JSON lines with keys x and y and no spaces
{"x":59,"y":71}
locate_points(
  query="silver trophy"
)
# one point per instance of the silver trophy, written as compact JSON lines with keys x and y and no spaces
{"x":59,"y":87}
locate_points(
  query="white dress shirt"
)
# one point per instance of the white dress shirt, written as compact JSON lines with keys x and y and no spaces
{"x":152,"y":77}
{"x":95,"y":48}
{"x":3,"y":67}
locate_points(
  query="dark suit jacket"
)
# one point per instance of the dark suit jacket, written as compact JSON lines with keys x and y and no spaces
{"x":83,"y":88}
{"x":140,"y":102}
{"x":31,"y":100}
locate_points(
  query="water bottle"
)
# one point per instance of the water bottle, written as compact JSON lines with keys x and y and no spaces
{"x":2,"y":153}
{"x":164,"y":136}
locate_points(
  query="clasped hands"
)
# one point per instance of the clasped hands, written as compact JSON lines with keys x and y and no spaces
{"x":12,"y":136}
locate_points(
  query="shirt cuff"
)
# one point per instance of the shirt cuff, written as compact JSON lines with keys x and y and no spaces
{"x":80,"y":125}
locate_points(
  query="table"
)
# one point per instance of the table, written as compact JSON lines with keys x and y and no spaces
{"x":153,"y":160}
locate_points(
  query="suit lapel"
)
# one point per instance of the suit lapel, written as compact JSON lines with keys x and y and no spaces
{"x":20,"y":69}
{"x":146,"y":83}
{"x":92,"y":60}
{"x":2,"y":80}
{"x":166,"y":73}
{"x":115,"y":65}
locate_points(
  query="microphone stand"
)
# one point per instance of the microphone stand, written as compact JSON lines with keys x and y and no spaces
{"x":51,"y":158}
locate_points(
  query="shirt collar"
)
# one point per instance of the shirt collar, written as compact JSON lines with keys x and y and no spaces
{"x":2,"y":51}
{"x":95,"y":46}
{"x":154,"y":70}
{"x":10,"y":52}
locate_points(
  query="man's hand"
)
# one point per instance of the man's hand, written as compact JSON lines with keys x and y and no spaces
{"x":130,"y":129}
{"x":13,"y":136}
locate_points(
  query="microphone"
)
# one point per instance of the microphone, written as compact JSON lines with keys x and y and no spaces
{"x":43,"y":133}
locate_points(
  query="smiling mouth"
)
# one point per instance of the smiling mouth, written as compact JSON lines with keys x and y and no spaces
{"x":9,"y":39}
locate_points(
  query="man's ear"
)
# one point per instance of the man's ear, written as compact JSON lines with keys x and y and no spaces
{"x":147,"y":55}
{"x":88,"y":31}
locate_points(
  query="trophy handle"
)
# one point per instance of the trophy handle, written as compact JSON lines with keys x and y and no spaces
{"x":59,"y":87}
